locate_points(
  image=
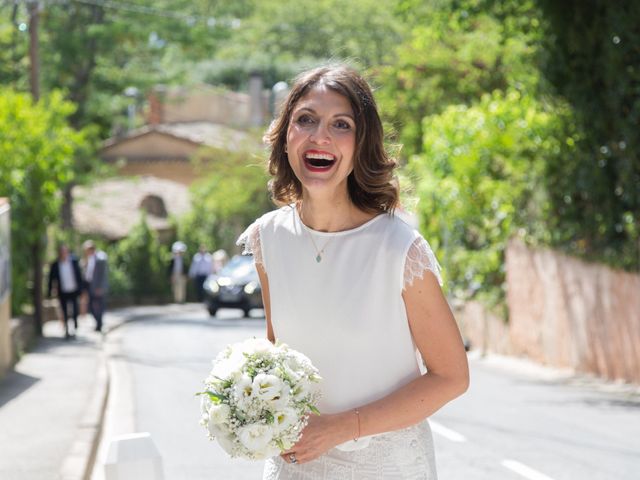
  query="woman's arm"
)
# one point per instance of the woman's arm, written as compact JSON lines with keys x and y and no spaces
{"x":437,"y":337}
{"x":266,"y":302}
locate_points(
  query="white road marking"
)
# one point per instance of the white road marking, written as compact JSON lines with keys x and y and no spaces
{"x":447,"y":432}
{"x":523,"y":470}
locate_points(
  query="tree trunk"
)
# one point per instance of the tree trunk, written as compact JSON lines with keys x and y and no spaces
{"x":36,"y":256}
{"x":66,"y":210}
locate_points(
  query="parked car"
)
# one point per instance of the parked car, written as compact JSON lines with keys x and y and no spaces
{"x":236,"y":286}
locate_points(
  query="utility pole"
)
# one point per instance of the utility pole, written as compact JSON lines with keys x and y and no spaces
{"x":34,"y":55}
{"x":33,"y":7}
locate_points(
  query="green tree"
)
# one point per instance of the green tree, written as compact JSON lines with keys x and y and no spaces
{"x":453,"y":53}
{"x":480,"y":181}
{"x":593,"y":61}
{"x":37,"y":148}
{"x":282,"y":37}
{"x":140,"y":264}
{"x":227,"y":200}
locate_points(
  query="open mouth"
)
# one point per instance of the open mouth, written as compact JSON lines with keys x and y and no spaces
{"x":319,"y":161}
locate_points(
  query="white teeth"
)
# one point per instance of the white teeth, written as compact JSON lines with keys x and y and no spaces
{"x":320,"y":156}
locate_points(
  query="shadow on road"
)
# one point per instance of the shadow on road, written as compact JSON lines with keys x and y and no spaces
{"x":14,"y":384}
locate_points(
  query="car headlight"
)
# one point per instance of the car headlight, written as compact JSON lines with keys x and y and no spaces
{"x":212,"y":286}
{"x":250,"y":287}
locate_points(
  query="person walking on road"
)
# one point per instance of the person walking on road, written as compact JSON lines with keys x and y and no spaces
{"x":201,"y":267}
{"x":96,"y":280}
{"x":178,"y":272}
{"x":65,"y":274}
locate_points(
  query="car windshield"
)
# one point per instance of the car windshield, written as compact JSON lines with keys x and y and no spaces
{"x":238,"y":266}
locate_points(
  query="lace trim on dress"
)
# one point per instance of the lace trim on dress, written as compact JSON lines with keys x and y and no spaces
{"x":420,"y":258}
{"x":250,"y":242}
{"x":406,"y":454}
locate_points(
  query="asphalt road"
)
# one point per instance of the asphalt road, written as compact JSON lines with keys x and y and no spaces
{"x":516,"y":421}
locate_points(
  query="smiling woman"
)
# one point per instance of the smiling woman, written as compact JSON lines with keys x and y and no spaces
{"x":354,"y":288}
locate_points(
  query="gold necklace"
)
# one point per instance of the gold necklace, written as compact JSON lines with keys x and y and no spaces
{"x":319,"y":252}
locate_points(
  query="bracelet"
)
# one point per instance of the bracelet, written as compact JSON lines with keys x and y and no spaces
{"x":357,"y":412}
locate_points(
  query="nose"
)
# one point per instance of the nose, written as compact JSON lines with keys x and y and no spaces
{"x":320,"y":135}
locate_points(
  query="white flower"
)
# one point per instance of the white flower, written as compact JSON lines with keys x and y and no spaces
{"x":243,"y":388}
{"x":219,"y":414}
{"x":267,"y":387}
{"x":284,"y":419}
{"x":255,"y":436}
{"x":256,"y":398}
{"x":301,"y":391}
{"x":228,"y":444}
{"x":254,"y":346}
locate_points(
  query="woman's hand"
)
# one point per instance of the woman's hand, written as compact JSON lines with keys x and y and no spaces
{"x":322,"y":433}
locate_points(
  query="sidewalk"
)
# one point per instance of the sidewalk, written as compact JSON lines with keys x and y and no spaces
{"x":51,"y":404}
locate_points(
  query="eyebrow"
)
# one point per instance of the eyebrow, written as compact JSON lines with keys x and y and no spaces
{"x":308,"y":109}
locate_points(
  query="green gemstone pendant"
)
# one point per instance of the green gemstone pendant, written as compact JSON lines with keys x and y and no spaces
{"x":318,"y":258}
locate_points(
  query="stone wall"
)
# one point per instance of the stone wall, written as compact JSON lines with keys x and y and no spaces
{"x":569,"y":313}
{"x":6,"y":351}
{"x":563,"y":312}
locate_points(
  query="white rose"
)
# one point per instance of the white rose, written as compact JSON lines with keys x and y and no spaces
{"x":255,"y":436}
{"x":267,"y":387}
{"x":257,"y":345}
{"x":219,"y":414}
{"x":228,"y":367}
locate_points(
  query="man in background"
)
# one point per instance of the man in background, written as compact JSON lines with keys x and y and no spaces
{"x":201,"y":268}
{"x":178,"y":272}
{"x":65,"y":274}
{"x":96,"y":280}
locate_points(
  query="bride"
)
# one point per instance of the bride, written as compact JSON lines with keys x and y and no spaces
{"x":353,"y":287}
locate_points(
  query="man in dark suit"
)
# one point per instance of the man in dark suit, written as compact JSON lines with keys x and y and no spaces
{"x":65,"y":274}
{"x":96,"y":280}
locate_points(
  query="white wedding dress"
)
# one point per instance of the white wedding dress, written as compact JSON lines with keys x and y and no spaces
{"x":347,"y":314}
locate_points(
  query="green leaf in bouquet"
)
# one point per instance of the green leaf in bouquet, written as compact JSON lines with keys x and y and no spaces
{"x":213,"y":396}
{"x":313,"y":409}
{"x":269,"y":417}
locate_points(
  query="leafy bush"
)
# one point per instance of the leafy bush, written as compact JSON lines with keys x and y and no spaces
{"x":592,"y":61}
{"x":480,"y":179}
{"x":139,"y":266}
{"x":37,"y":148}
{"x":227,"y":200}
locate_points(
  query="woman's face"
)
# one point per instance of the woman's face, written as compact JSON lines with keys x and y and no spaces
{"x":321,"y":140}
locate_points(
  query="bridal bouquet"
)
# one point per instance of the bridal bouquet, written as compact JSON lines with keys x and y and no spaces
{"x":258,"y":397}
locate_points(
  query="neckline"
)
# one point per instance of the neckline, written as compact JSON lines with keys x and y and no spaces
{"x":334,"y":234}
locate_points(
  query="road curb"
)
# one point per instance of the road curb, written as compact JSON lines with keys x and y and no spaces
{"x":79,"y":463}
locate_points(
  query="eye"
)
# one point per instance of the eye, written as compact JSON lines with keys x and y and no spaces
{"x":304,"y":119}
{"x":342,"y":125}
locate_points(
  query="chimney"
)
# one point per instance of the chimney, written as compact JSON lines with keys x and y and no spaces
{"x":256,"y":113}
{"x":156,"y":107}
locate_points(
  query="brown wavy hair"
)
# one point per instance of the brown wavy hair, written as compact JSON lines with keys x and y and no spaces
{"x":372,"y":185}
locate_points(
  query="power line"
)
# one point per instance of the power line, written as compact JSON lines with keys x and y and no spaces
{"x":139,"y":9}
{"x":145,"y":10}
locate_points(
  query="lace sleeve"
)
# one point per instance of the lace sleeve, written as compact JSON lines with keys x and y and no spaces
{"x":420,"y":258}
{"x":250,"y":242}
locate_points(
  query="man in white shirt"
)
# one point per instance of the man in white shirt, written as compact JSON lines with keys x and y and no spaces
{"x":96,"y":280}
{"x":201,"y":268}
{"x":65,"y":274}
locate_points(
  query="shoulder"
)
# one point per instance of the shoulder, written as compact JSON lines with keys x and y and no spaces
{"x":269,"y":220}
{"x":101,"y":256}
{"x":399,"y":234}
